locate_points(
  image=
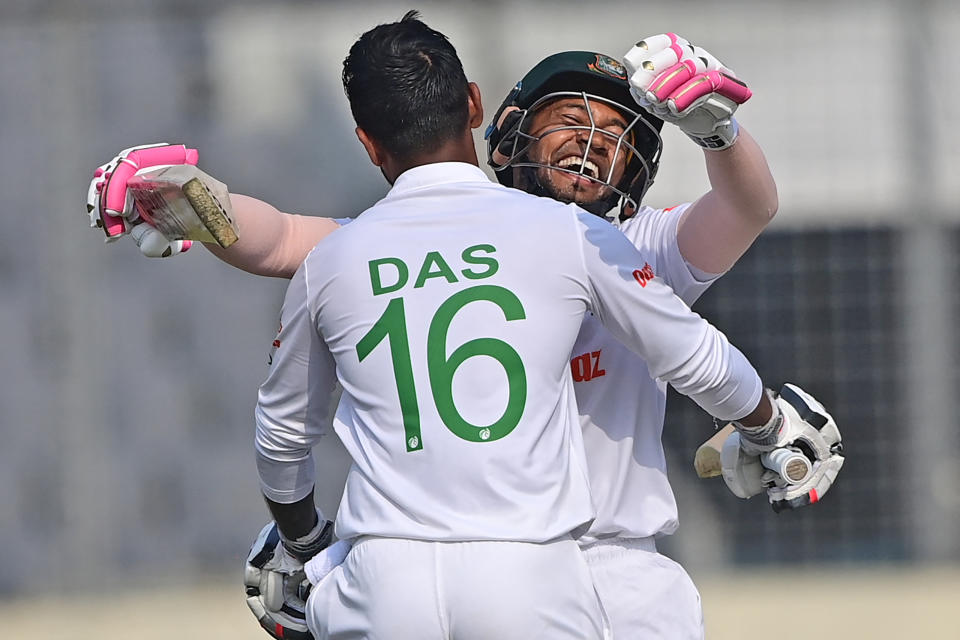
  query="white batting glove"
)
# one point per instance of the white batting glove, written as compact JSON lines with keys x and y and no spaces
{"x":686,"y":85}
{"x":275,"y":585}
{"x":276,"y":582}
{"x":742,"y":472}
{"x":801,"y":429}
{"x":111,"y":208}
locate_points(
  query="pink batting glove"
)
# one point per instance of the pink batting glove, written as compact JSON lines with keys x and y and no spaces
{"x":110,"y":207}
{"x":108,"y":202}
{"x":686,"y":85}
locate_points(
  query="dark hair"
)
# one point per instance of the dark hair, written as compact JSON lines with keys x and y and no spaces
{"x":406,"y":87}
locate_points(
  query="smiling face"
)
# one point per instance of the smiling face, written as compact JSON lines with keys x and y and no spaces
{"x":574,"y":166}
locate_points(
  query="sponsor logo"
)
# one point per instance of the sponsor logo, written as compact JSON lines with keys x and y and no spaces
{"x":608,"y":66}
{"x":586,"y":367}
{"x":645,"y":275}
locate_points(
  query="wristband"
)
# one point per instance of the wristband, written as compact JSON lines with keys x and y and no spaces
{"x":766,"y":435}
{"x":307,"y":546}
{"x":721,"y":138}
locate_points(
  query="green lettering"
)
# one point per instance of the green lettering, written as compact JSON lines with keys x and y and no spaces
{"x":392,"y":327}
{"x":426,"y":271}
{"x":491,"y":263}
{"x":376,"y":283}
{"x":442,"y":368}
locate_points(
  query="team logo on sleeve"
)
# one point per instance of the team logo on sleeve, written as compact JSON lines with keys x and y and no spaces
{"x":645,"y":275}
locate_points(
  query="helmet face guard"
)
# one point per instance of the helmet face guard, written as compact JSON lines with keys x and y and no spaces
{"x":619,"y":194}
{"x":592,"y":78}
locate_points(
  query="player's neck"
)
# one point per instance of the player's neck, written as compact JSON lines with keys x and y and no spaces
{"x":459,"y":150}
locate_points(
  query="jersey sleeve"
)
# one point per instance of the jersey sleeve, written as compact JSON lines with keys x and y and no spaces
{"x":656,"y":230}
{"x":294,"y":400}
{"x":679,"y":346}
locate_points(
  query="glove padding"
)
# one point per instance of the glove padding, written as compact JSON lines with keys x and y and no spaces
{"x":275,"y":580}
{"x":111,"y":208}
{"x":802,"y":424}
{"x":686,"y":85}
{"x":742,"y":472}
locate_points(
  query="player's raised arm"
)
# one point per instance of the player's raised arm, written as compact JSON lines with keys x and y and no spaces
{"x":686,"y":85}
{"x":271,"y":243}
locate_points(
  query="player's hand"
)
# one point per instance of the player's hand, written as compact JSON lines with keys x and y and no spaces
{"x":742,"y":472}
{"x":277,"y":587}
{"x":795,"y":462}
{"x":110,"y":207}
{"x":686,"y":85}
{"x":277,"y":584}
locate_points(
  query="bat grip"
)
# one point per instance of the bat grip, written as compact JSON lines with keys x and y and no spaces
{"x":789,"y":464}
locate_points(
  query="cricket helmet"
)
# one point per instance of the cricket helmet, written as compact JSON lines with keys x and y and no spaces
{"x":590,"y":77}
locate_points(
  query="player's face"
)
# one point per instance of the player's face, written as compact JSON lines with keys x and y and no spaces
{"x":565,"y":148}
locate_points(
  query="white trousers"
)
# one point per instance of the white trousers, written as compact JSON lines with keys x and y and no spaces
{"x":400,"y":589}
{"x":646,"y":596}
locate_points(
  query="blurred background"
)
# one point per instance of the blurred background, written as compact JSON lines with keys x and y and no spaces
{"x":128,"y":493}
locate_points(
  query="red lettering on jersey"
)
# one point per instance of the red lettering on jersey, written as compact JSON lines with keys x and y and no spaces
{"x":645,"y":275}
{"x":670,"y":208}
{"x":580,"y":367}
{"x":597,"y":371}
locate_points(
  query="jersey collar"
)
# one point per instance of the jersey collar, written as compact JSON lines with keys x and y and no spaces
{"x":427,"y":175}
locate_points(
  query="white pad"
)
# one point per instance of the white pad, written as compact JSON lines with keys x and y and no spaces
{"x":742,"y":472}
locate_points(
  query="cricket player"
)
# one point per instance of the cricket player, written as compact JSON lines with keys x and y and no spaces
{"x":539,"y":142}
{"x":447,"y":320}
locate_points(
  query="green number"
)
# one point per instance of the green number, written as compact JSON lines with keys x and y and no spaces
{"x":442,"y":369}
{"x":393,"y":325}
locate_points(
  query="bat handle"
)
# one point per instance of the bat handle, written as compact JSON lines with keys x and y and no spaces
{"x":789,"y":464}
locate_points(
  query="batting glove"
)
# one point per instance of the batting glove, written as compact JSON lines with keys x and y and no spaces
{"x":795,"y":457}
{"x":686,"y":85}
{"x":111,"y":208}
{"x":276,"y":583}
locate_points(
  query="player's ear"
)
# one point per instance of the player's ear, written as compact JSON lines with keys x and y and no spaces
{"x":376,"y":156}
{"x":474,"y":105}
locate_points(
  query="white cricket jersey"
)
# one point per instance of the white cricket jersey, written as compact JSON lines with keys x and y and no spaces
{"x":448,"y":312}
{"x":622,"y":406}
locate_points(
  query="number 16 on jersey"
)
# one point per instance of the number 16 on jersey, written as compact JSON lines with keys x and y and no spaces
{"x":392,"y":327}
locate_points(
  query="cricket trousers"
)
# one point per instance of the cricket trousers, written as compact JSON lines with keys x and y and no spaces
{"x":645,"y":595}
{"x":401,"y":589}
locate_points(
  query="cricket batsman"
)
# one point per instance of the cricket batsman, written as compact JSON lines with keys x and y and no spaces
{"x":583,"y":128}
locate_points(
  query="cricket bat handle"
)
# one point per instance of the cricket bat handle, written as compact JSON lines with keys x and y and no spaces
{"x":789,"y":464}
